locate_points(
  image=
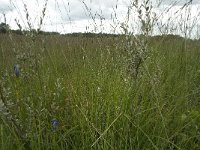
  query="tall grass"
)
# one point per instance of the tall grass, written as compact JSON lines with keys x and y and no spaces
{"x":87,"y":85}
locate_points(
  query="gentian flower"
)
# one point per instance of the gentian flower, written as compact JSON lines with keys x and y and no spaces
{"x":16,"y":70}
{"x":55,"y":123}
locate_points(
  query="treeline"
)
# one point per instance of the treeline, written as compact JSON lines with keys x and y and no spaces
{"x":78,"y":34}
{"x":5,"y":29}
{"x":89,"y":34}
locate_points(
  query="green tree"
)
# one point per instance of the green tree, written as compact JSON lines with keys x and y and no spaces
{"x":4,"y":28}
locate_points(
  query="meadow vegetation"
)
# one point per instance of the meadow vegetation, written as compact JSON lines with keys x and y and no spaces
{"x":103,"y":91}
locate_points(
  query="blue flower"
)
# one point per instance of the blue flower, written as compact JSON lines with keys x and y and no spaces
{"x":54,"y":122}
{"x":16,"y":70}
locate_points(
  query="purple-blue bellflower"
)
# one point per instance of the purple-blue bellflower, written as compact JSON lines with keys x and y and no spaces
{"x":55,"y":123}
{"x":16,"y":70}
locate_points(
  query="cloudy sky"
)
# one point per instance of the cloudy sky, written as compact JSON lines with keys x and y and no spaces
{"x":67,"y":16}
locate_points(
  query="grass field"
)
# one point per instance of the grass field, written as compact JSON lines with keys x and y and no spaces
{"x":83,"y":83}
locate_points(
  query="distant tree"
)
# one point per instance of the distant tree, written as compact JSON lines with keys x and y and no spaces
{"x":4,"y":28}
{"x":17,"y":32}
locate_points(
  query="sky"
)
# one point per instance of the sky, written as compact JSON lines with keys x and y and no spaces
{"x":66,"y":16}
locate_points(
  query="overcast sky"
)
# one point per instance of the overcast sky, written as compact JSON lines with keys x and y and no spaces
{"x":90,"y":15}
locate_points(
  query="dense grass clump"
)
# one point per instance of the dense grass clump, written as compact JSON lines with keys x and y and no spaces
{"x":83,"y":84}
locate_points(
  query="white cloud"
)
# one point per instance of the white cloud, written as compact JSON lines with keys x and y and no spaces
{"x":178,"y":2}
{"x":60,"y":12}
{"x":5,"y":6}
{"x":74,"y":16}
